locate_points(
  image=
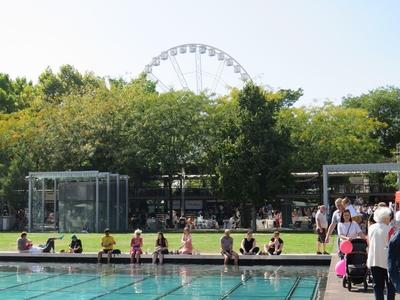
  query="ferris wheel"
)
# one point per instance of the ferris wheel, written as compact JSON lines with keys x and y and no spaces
{"x":197,"y":67}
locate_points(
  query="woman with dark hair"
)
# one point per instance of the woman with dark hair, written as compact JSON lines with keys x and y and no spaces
{"x":161,"y":248}
{"x":248,"y":245}
{"x":349,"y":229}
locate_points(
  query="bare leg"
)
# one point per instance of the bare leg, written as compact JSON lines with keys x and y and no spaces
{"x":235,"y":258}
{"x":109,"y":256}
{"x":99,"y":255}
{"x":154,"y":258}
{"x":132,"y":258}
{"x":137,"y":257}
{"x":161,"y":258}
{"x":226,"y":259}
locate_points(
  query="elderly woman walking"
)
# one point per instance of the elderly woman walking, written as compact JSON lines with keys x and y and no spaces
{"x":378,"y":235}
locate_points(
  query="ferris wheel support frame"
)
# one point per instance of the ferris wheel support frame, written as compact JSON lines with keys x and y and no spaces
{"x":198,"y":50}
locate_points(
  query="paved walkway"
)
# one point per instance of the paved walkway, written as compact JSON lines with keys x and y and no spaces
{"x":335,"y":290}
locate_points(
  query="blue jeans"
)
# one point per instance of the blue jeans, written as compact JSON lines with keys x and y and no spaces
{"x":380,"y":277}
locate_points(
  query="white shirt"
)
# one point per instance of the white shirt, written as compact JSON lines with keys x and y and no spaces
{"x":378,"y":235}
{"x":336,"y":217}
{"x":351,"y":230}
{"x":321,"y":217}
{"x":352,"y":210}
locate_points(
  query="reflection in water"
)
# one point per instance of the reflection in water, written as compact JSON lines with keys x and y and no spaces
{"x":158,"y":280}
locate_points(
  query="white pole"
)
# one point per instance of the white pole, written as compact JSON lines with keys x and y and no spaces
{"x":325,"y":175}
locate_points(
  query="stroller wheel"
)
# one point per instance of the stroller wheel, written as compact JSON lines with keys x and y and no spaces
{"x":344,"y":281}
{"x":349,"y":286}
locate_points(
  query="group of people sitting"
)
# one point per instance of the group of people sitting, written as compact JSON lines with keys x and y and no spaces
{"x":248,"y":246}
{"x":25,"y":245}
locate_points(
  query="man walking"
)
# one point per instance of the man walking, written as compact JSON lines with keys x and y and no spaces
{"x":322,"y":226}
{"x":335,"y":218}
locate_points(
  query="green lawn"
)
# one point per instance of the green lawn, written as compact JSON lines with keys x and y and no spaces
{"x":203,"y":242}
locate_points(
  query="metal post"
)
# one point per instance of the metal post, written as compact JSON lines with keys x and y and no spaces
{"x":97,"y":204}
{"x":30,"y":204}
{"x":117,"y":182}
{"x":42,"y":204}
{"x":108,"y":199}
{"x":182,"y":193}
{"x":325,"y":175}
{"x":55,"y":212}
{"x":126,"y":202}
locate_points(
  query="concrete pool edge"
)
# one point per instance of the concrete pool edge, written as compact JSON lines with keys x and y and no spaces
{"x":260,"y":260}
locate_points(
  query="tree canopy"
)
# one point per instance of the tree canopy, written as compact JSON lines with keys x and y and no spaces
{"x":382,"y":104}
{"x":250,"y":140}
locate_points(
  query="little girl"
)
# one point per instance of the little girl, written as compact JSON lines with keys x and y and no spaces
{"x":136,"y":246}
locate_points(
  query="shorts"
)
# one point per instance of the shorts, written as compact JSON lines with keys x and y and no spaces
{"x":107,"y":250}
{"x":135,"y":251}
{"x":229,"y":254}
{"x":321,"y":235}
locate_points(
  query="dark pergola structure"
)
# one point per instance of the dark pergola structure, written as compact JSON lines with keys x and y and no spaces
{"x":354,"y":169}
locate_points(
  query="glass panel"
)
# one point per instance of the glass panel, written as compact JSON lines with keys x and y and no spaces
{"x":37,"y":210}
{"x":76,"y":206}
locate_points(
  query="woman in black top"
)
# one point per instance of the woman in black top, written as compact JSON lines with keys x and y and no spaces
{"x":76,"y":245}
{"x":248,"y":246}
{"x":161,"y":248}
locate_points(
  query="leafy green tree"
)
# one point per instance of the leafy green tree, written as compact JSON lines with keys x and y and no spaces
{"x":168,"y":132}
{"x":67,"y":81}
{"x":384,"y":105}
{"x":14,"y":94}
{"x":253,"y":150}
{"x":330,"y":135}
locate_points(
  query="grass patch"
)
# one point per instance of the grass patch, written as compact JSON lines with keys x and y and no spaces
{"x":301,"y":243}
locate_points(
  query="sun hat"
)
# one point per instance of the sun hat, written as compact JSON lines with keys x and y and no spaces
{"x":138,"y":231}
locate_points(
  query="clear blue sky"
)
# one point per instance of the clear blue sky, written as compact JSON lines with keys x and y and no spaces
{"x":329,"y":48}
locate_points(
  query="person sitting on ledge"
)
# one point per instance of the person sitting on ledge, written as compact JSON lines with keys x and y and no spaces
{"x":107,"y":242}
{"x":186,"y":242}
{"x":275,"y":245}
{"x":136,"y":246}
{"x":248,"y":246}
{"x":161,"y":248}
{"x":227,"y":248}
{"x":24,"y":245}
{"x":76,"y":245}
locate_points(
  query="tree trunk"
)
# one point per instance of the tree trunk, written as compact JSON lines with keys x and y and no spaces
{"x":253,"y":217}
{"x":170,"y":200}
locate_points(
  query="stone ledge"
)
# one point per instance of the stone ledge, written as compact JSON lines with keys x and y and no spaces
{"x":214,"y":259}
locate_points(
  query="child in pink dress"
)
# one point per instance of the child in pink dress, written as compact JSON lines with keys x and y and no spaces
{"x":186,"y":247}
{"x":136,"y":246}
